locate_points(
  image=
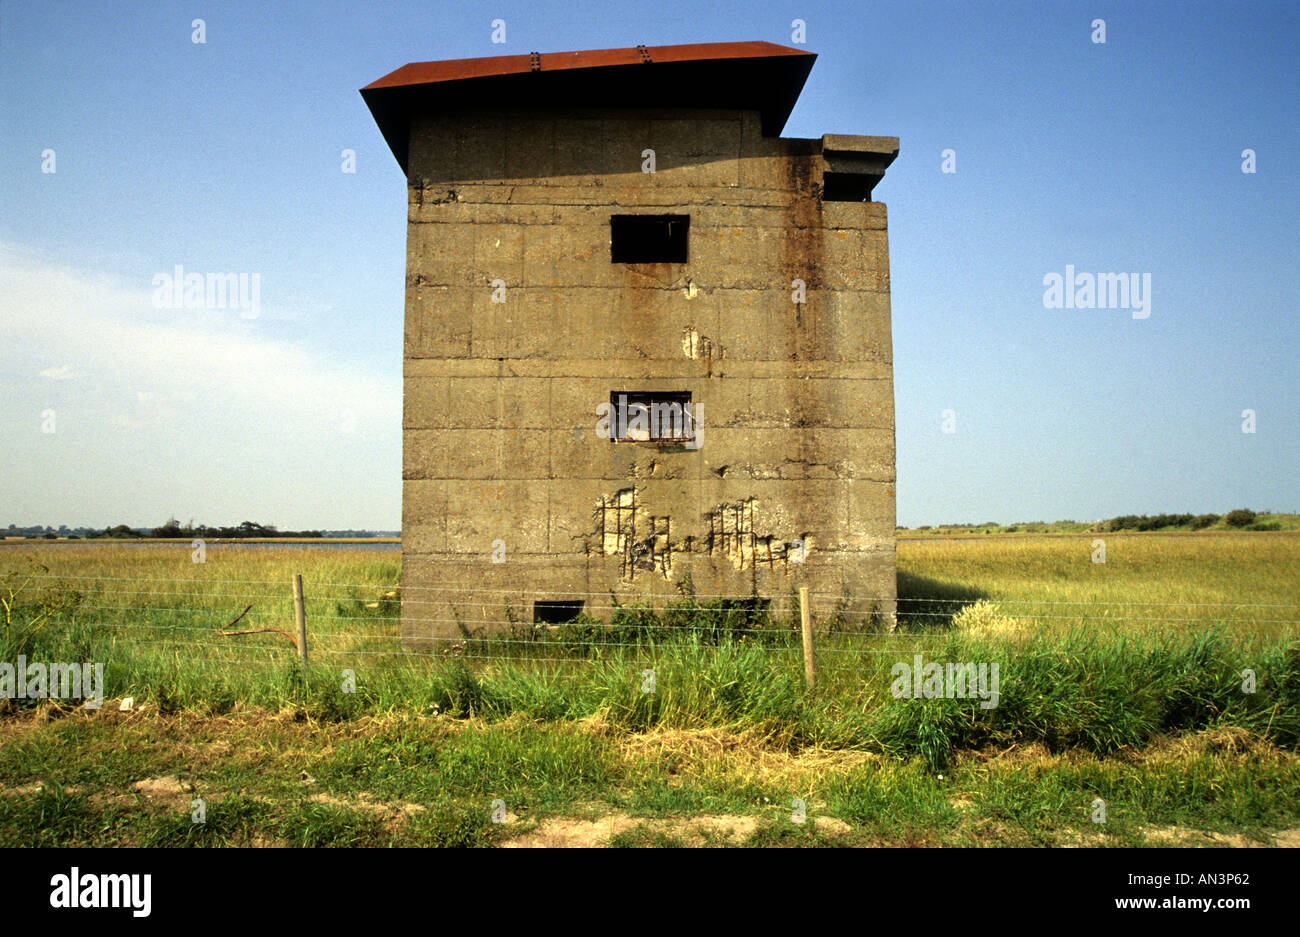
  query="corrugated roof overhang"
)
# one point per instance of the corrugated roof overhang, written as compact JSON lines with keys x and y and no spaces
{"x":760,"y":76}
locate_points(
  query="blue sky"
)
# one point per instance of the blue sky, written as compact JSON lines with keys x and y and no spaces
{"x":226,"y":156}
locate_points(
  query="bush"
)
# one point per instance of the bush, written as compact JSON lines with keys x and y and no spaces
{"x":1241,"y":517}
{"x":985,"y":619}
{"x":1161,"y":521}
{"x":1265,"y":525}
{"x":1201,"y":521}
{"x":1158,"y":521}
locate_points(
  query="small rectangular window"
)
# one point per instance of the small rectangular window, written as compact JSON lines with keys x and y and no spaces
{"x":648,"y":239}
{"x":847,"y":187}
{"x":651,"y":416}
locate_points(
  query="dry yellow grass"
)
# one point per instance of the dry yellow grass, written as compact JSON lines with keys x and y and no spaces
{"x":1245,"y":580}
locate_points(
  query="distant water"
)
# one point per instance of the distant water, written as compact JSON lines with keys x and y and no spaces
{"x":328,"y":546}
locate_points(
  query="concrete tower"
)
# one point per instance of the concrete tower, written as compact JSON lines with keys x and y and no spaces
{"x":646,"y":337}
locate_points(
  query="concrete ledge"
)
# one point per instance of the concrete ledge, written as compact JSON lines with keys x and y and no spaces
{"x":851,"y":143}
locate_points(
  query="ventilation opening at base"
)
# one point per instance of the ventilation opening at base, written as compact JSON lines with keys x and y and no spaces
{"x":556,"y":613}
{"x":648,"y":239}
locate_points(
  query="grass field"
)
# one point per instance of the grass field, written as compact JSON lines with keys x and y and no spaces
{"x":1121,"y":689}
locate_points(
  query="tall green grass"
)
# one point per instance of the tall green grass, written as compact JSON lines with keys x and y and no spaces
{"x":1069,"y":690}
{"x":1072,"y":675}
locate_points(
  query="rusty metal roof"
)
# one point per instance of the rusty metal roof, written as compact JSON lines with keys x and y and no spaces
{"x":759,"y":76}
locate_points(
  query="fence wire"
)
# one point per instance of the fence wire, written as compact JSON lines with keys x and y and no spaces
{"x":248,"y":621}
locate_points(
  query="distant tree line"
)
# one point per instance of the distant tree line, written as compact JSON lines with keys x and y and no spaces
{"x":174,"y":529}
{"x":1161,"y":521}
{"x":1239,"y":519}
{"x":50,"y":533}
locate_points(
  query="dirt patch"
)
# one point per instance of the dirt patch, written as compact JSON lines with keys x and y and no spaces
{"x":29,"y":790}
{"x":733,"y":829}
{"x":1073,"y":839}
{"x":165,"y":791}
{"x":1181,"y":836}
{"x":159,"y":787}
{"x":562,"y":832}
{"x":832,"y":826}
{"x":393,"y":813}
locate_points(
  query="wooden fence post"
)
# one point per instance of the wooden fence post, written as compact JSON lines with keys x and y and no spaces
{"x":300,"y":615}
{"x":808,"y":671}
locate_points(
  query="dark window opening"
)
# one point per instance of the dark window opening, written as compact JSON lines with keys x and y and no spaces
{"x":651,"y":416}
{"x":648,"y":239}
{"x":556,"y":613}
{"x":846,"y":187}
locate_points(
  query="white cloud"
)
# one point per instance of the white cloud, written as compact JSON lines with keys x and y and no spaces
{"x":108,"y":328}
{"x":196,"y":411}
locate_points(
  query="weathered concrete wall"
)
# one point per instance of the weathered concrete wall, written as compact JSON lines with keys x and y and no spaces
{"x":500,"y":438}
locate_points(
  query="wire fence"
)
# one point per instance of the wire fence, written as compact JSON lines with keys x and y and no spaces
{"x":253,"y":621}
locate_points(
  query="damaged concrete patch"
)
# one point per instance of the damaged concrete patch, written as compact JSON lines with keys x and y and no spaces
{"x":643,"y":541}
{"x":732,"y":536}
{"x":696,"y":346}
